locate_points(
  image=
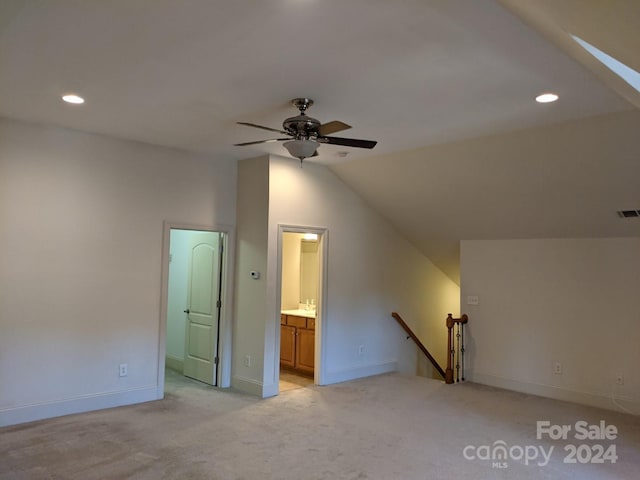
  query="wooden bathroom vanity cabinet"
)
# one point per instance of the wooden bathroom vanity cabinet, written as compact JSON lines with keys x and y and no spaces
{"x":297,"y":343}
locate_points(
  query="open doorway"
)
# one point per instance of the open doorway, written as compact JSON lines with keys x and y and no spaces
{"x":301,"y":305}
{"x":194,"y":303}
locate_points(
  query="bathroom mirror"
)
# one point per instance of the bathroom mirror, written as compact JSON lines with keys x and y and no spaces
{"x":308,"y":271}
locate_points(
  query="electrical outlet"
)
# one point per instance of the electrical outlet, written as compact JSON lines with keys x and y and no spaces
{"x":247,"y":360}
{"x":360,"y":349}
{"x":123,"y":370}
{"x":557,"y":368}
{"x":620,"y":379}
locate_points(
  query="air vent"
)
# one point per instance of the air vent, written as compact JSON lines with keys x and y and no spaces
{"x":628,"y":213}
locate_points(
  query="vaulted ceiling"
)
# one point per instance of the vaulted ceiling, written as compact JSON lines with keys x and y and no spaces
{"x":446,"y":88}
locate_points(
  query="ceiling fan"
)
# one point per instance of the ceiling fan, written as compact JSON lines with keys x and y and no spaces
{"x":305,"y":134}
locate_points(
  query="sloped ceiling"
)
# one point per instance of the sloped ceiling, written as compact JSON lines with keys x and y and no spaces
{"x":415,"y":75}
{"x":612,"y":26}
{"x":561,"y":181}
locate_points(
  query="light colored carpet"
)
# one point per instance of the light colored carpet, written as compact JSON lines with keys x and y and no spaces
{"x":386,"y":427}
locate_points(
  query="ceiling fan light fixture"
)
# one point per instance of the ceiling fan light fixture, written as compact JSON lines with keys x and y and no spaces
{"x":301,"y":148}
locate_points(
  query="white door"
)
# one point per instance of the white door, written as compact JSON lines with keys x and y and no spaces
{"x":203,"y":306}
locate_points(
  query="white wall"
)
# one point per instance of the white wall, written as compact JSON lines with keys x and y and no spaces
{"x":574,"y":301}
{"x":80,"y":275}
{"x":250,"y":294}
{"x":372,"y":271}
{"x":290,"y":297}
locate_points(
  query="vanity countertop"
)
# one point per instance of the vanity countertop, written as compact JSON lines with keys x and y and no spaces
{"x":300,"y":313}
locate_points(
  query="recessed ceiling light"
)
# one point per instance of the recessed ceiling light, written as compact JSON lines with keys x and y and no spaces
{"x":71,"y":98}
{"x":546,"y":98}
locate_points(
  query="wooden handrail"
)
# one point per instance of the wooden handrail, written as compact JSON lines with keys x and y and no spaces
{"x":419,"y":343}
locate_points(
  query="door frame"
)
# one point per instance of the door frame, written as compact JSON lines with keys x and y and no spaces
{"x":223,"y":370}
{"x":321,"y":304}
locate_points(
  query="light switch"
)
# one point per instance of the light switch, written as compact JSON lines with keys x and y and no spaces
{"x":473,"y":300}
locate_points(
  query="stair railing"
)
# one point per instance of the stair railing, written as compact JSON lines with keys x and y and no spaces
{"x":455,"y":348}
{"x":419,"y":343}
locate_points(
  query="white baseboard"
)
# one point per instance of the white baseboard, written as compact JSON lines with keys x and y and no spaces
{"x":40,"y":411}
{"x":174,"y":363}
{"x":247,"y":385}
{"x":617,"y":403}
{"x":270,"y":390}
{"x":255,"y":387}
{"x":338,"y":376}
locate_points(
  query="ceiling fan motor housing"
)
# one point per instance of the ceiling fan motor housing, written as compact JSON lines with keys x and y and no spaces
{"x":301,"y":126}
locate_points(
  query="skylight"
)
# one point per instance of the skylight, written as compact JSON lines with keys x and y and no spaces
{"x":628,"y":74}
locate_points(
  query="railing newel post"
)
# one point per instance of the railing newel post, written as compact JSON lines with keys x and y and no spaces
{"x":448,"y":377}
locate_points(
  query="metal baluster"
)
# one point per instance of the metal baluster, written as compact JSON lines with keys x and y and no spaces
{"x":462,"y":350}
{"x":452,"y":353}
{"x":458,"y":354}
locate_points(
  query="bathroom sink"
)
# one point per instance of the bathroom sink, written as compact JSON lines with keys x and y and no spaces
{"x":300,"y":313}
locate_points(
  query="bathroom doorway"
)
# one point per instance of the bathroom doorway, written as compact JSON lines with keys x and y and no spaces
{"x":302,"y":260}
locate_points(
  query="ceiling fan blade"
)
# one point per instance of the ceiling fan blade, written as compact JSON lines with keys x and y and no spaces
{"x":332,"y":127}
{"x":260,"y":141}
{"x":263,"y":128}
{"x":348,"y":142}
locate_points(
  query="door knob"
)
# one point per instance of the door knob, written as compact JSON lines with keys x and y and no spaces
{"x":187,"y":311}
